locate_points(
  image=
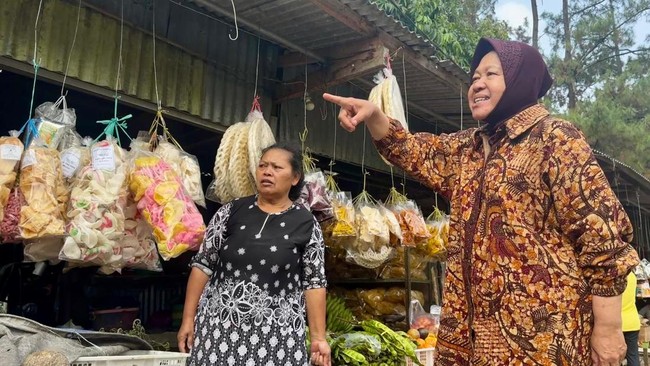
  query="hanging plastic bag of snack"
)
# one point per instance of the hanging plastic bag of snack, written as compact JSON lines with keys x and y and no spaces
{"x":371,"y":247}
{"x":414,"y":229}
{"x":41,"y":183}
{"x":435,"y":246}
{"x":11,"y":150}
{"x":96,"y":210}
{"x":177,"y":224}
{"x":373,"y":231}
{"x":186,"y":166}
{"x":139,"y":249}
{"x":344,"y":215}
{"x":73,"y":159}
{"x":315,"y":197}
{"x":9,"y":230}
{"x":56,"y":124}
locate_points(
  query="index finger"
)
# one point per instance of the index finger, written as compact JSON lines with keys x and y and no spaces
{"x":335,"y":99}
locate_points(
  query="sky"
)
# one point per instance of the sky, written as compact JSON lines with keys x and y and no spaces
{"x":515,"y":11}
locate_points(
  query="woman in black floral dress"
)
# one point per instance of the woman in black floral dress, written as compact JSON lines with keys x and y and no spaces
{"x":260,"y":266}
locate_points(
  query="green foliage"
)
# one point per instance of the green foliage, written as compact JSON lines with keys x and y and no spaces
{"x":453,"y":26}
{"x":617,"y":120}
{"x":600,"y":40}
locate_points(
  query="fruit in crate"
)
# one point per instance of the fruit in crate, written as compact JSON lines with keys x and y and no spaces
{"x":423,"y":338}
{"x":427,"y":322}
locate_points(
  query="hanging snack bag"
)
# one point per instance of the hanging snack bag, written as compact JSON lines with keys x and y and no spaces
{"x":436,"y":245}
{"x":314,"y":196}
{"x":373,"y":231}
{"x":138,"y":246}
{"x":185,"y":166}
{"x":11,"y":149}
{"x":73,"y":159}
{"x":41,"y":183}
{"x":344,"y":215}
{"x":9,"y":230}
{"x":393,"y":226}
{"x":177,"y":224}
{"x":56,"y":124}
{"x":411,"y":221}
{"x":96,"y":210}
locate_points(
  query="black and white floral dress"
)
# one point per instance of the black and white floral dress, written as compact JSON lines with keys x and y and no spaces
{"x":252,"y":311}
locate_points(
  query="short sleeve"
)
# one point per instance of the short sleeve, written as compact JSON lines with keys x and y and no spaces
{"x":208,"y":253}
{"x":313,"y":261}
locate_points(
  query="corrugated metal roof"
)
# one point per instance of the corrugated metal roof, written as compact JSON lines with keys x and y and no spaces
{"x":209,"y":77}
{"x":307,"y":25}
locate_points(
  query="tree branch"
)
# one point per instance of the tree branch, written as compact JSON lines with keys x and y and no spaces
{"x":610,"y":32}
{"x":578,"y":12}
{"x":627,"y":52}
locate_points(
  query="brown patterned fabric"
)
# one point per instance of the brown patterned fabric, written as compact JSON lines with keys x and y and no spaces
{"x":535,"y":231}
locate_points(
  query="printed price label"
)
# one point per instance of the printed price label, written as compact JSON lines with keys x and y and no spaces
{"x":103,"y":158}
{"x":10,"y":152}
{"x":29,"y":159}
{"x":70,"y":163}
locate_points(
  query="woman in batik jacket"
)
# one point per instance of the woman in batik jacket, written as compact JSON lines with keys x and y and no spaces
{"x":539,"y":244}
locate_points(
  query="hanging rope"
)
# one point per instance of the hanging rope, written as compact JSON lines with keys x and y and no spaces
{"x":406,"y":94}
{"x":155,"y":69}
{"x":257,"y":67}
{"x":34,"y":62}
{"x":461,"y":107}
{"x":638,"y":205}
{"x":333,"y":161}
{"x":234,"y":11}
{"x":29,"y":127}
{"x":74,"y":40}
{"x":115,"y":124}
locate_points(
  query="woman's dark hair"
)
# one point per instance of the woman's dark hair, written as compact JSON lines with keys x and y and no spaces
{"x":296,"y":165}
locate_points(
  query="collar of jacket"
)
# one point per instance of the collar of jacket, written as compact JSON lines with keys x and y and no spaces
{"x":517,"y":124}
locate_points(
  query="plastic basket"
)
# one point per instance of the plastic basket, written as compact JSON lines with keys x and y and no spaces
{"x":135,"y":358}
{"x":425,"y":356}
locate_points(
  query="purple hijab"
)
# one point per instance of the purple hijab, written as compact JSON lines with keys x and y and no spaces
{"x":525,"y":72}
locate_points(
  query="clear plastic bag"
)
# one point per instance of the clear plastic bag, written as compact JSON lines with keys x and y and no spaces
{"x":177,"y":224}
{"x":56,"y":124}
{"x":41,"y":250}
{"x":139,"y":249}
{"x":186,"y":166}
{"x":315,"y":197}
{"x":73,"y":159}
{"x":41,"y":183}
{"x":11,"y":150}
{"x":96,"y":211}
{"x":414,"y":229}
{"x":9,"y":230}
{"x":435,"y":247}
{"x":421,"y":319}
{"x":368,"y":343}
{"x":344,"y":215}
{"x":395,"y":268}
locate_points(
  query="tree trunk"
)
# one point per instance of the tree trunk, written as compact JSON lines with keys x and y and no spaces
{"x":533,"y":5}
{"x":616,"y":38}
{"x":568,"y":56}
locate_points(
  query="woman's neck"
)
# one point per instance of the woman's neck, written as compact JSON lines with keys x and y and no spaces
{"x":272,"y":204}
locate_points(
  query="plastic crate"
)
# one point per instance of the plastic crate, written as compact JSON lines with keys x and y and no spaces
{"x":135,"y":358}
{"x":425,"y":356}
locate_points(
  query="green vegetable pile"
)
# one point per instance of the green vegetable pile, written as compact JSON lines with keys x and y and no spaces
{"x":376,"y":345}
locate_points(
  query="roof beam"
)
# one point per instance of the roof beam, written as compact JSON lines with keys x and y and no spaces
{"x":351,"y":19}
{"x":256,"y":28}
{"x":353,"y":60}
